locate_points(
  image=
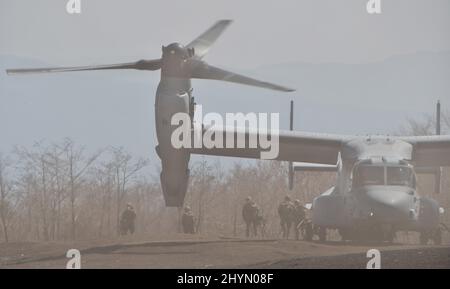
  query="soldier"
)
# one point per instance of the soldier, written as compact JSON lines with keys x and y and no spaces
{"x":299,"y":216}
{"x":127,"y":220}
{"x":287,"y":215}
{"x":261,"y":223}
{"x":187,"y":221}
{"x":250,"y":215}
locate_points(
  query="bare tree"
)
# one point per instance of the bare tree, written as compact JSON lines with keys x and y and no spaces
{"x":77,"y":167}
{"x":425,"y":125}
{"x":35,"y":162}
{"x":202,"y":189}
{"x":446,"y":121}
{"x":57,"y":168}
{"x":124,"y":169}
{"x":5,"y":191}
{"x":103,"y":179}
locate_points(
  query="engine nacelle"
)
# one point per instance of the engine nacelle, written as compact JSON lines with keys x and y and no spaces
{"x":174,"y":187}
{"x":173,"y":96}
{"x":174,"y":175}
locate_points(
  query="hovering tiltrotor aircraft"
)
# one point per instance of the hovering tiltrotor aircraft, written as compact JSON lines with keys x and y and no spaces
{"x":178,"y":64}
{"x":375,"y":194}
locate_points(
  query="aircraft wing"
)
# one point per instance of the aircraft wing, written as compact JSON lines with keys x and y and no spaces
{"x":430,"y":151}
{"x":293,"y":146}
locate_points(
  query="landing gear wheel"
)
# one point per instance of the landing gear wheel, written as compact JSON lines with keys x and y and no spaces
{"x":322,"y":232}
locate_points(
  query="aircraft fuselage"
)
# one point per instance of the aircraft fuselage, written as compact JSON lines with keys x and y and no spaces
{"x":375,"y":195}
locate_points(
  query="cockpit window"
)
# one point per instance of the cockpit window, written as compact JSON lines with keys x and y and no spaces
{"x":400,"y":176}
{"x":369,"y":175}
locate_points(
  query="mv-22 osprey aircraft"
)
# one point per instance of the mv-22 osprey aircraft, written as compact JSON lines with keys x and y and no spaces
{"x":375,"y":194}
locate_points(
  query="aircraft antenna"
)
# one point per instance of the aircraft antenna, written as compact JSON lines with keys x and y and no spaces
{"x":291,"y":165}
{"x":438,"y":184}
{"x":438,"y":118}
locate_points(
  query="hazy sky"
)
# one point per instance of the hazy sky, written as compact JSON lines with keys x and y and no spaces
{"x":99,"y":109}
{"x":264,"y":32}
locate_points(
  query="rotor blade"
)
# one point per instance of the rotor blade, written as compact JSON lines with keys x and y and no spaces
{"x":203,"y":43}
{"x":205,"y":71}
{"x":139,"y":65}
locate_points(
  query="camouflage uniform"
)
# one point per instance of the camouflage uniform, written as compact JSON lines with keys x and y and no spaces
{"x":250,"y":213}
{"x":299,"y":216}
{"x":187,"y":221}
{"x":127,"y":220}
{"x":286,"y":212}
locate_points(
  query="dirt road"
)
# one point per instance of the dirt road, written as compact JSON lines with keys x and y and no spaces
{"x":200,"y":252}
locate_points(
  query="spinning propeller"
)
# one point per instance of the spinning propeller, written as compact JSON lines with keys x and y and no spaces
{"x":177,"y":61}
